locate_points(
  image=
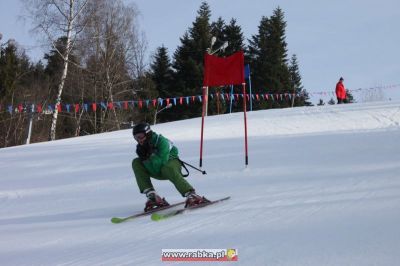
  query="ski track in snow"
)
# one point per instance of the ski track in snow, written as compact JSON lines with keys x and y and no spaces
{"x":322,"y":188}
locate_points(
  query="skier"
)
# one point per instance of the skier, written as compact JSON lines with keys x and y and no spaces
{"x":340,"y":91}
{"x":158,"y":158}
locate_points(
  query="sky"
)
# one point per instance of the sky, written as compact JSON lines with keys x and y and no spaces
{"x":322,"y":187}
{"x":357,"y":40}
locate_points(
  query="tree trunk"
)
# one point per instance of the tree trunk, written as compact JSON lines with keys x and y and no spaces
{"x":111,"y":97}
{"x":64,"y":73}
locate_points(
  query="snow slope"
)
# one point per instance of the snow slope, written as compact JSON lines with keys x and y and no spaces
{"x":322,"y":188}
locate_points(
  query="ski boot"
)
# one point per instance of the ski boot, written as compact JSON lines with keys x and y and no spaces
{"x":154,"y":201}
{"x":192,"y":199}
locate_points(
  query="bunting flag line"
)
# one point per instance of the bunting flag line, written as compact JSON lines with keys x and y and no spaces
{"x":179,"y":100}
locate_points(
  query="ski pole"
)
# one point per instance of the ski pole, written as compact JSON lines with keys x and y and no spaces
{"x":185,"y":163}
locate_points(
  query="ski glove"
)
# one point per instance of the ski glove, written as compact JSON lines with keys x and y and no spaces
{"x":144,"y":151}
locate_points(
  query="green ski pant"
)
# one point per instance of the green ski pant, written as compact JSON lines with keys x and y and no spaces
{"x":170,"y":171}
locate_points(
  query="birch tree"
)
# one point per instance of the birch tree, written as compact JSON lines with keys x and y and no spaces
{"x":54,"y":19}
{"x":114,"y":51}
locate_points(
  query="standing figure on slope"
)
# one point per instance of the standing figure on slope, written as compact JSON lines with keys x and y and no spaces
{"x":158,"y":158}
{"x":340,"y":91}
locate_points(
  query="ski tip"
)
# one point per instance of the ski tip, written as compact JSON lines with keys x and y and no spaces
{"x":116,"y":220}
{"x":157,"y":217}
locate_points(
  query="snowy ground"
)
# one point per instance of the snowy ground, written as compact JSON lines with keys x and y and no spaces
{"x":322,"y":188}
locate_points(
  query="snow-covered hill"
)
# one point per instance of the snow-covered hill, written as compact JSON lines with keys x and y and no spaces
{"x":322,"y":188}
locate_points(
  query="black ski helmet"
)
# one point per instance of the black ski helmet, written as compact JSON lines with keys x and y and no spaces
{"x":141,"y":128}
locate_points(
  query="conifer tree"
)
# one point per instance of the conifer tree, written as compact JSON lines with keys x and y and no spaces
{"x":257,"y":52}
{"x":8,"y":70}
{"x":54,"y":64}
{"x":233,"y":33}
{"x":301,"y":97}
{"x":161,"y":72}
{"x":331,"y":101}
{"x":349,"y":97}
{"x":188,"y":63}
{"x":267,"y":54}
{"x":20,"y":85}
{"x":217,"y":31}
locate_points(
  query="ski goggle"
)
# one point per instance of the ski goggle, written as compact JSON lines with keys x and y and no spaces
{"x":140,"y":136}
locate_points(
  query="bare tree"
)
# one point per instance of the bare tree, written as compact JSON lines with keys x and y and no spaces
{"x":114,"y":53}
{"x":57,"y":18}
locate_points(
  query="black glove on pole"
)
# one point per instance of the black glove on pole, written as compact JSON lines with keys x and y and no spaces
{"x":143,"y":151}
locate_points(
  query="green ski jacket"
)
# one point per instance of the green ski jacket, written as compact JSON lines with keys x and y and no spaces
{"x":163,"y":151}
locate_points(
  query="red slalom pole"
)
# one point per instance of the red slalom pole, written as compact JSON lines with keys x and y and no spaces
{"x":202,"y":126}
{"x":245,"y":124}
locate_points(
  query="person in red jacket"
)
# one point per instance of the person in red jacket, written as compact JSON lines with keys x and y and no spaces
{"x":340,"y":91}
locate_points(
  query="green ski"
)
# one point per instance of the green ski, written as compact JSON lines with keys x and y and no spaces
{"x":156,"y":216}
{"x":117,"y":220}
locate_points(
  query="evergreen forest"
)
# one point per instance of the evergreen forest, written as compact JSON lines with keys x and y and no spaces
{"x":96,"y":76}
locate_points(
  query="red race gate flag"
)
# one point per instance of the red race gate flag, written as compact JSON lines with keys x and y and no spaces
{"x":220,"y":71}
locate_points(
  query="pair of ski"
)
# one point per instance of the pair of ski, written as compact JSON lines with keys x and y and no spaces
{"x":157,"y":215}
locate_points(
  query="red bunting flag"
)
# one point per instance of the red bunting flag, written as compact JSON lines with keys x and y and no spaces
{"x":76,"y":108}
{"x":220,"y":71}
{"x":59,"y":108}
